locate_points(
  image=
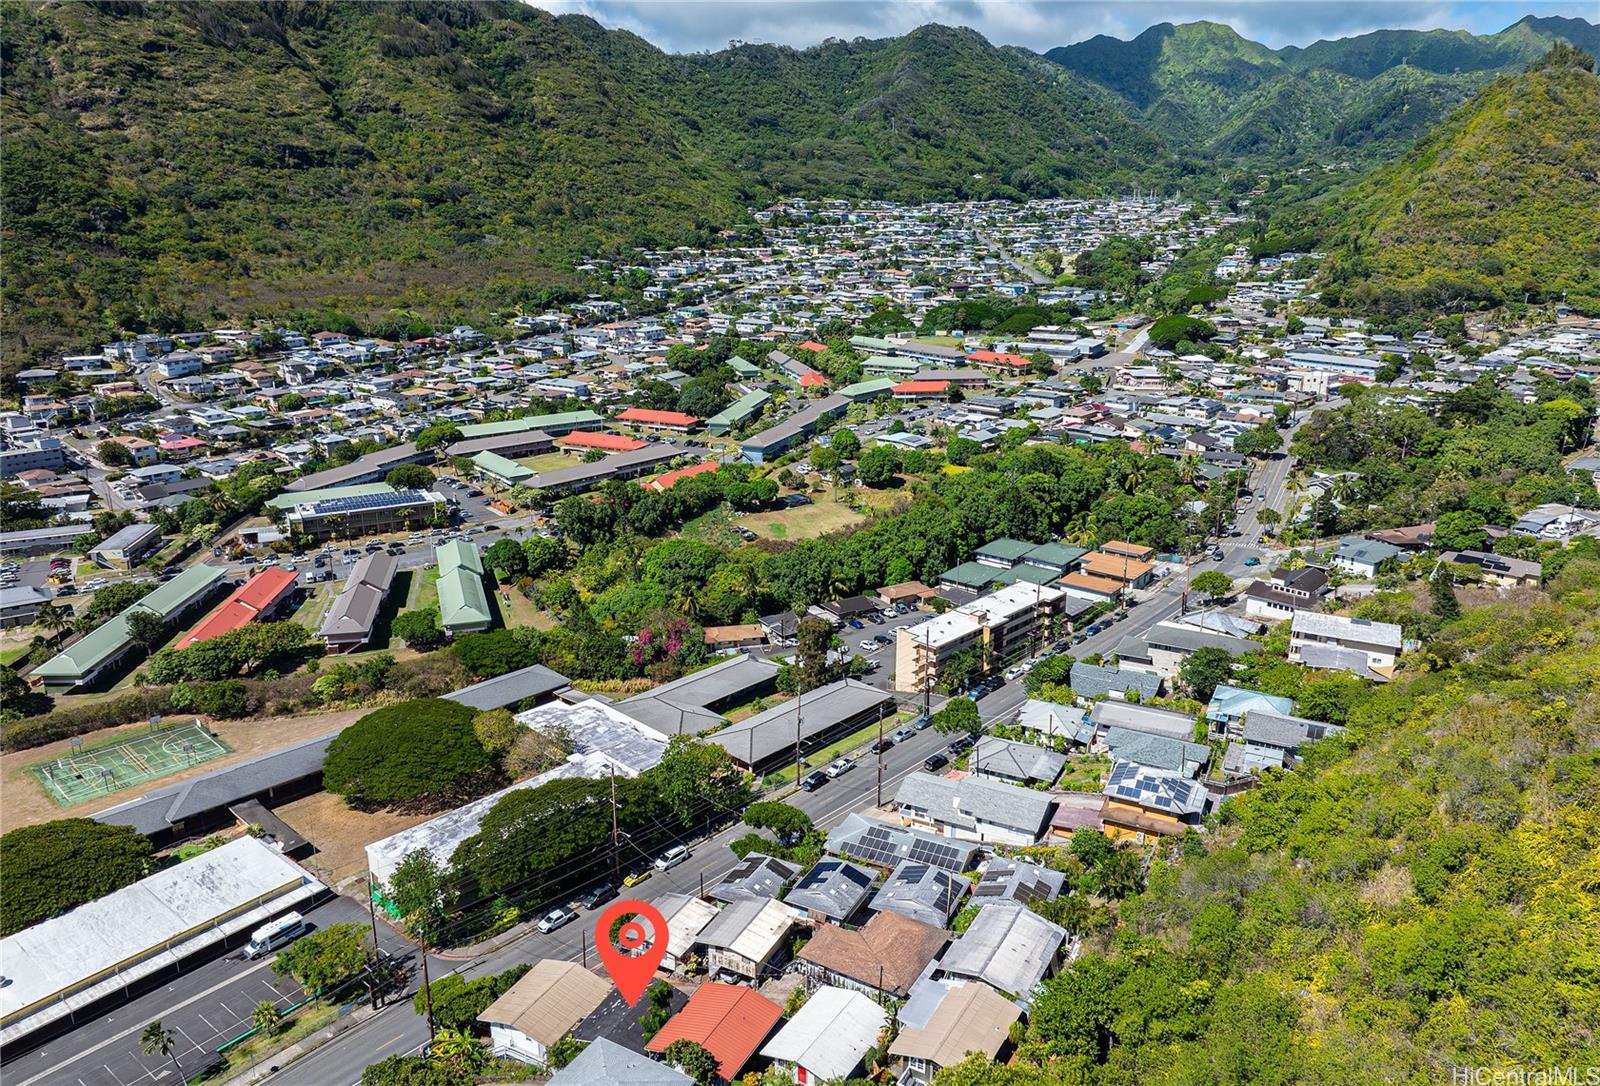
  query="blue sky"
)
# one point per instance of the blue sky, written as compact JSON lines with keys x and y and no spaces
{"x":694,"y":25}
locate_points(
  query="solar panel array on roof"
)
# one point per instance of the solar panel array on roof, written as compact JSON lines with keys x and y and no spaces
{"x":1152,"y":788}
{"x":886,"y":846}
{"x":357,"y":502}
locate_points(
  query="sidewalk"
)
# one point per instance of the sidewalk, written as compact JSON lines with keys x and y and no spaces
{"x":281,"y":1059}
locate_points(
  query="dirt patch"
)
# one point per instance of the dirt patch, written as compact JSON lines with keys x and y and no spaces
{"x":23,"y":801}
{"x":340,"y":834}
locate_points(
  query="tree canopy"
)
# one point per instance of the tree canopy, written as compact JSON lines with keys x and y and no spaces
{"x":415,"y":755}
{"x":55,"y":866}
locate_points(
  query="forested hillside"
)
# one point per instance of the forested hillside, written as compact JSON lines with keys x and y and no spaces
{"x":1422,"y":894}
{"x":1366,"y":98}
{"x":1496,"y":205}
{"x":171,"y":165}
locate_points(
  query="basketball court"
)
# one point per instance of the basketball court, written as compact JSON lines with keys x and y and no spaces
{"x":89,"y":772}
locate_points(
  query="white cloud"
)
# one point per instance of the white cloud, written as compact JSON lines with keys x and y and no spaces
{"x":696,"y":25}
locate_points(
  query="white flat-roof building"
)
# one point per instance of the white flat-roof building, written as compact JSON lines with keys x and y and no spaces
{"x":1380,"y":641}
{"x":70,"y":962}
{"x":999,"y":625}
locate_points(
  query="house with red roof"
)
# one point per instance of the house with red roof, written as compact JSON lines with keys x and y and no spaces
{"x":676,"y":421}
{"x":909,"y":391}
{"x":728,"y":1020}
{"x":673,"y":478}
{"x":813,"y":380}
{"x":1001,"y":360}
{"x":581,"y":441}
{"x":180,"y":447}
{"x":260,"y":597}
{"x":813,"y":345}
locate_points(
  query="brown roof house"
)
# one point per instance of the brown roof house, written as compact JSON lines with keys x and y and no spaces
{"x":886,"y":954}
{"x":541,"y":1008}
{"x":968,"y":1017}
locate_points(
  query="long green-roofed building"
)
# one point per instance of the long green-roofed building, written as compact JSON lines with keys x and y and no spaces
{"x":869,"y":389}
{"x":463,"y":604}
{"x":562,"y":422}
{"x":101,"y":649}
{"x":501,"y":470}
{"x":742,"y":410}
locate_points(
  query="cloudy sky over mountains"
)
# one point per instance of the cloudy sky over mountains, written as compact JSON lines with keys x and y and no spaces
{"x":694,"y":25}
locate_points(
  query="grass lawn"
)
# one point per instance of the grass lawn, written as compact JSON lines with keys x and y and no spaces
{"x":315,"y":605}
{"x":805,"y":521}
{"x":12,"y":653}
{"x":1085,"y":774}
{"x":751,"y":708}
{"x":549,"y":461}
{"x":518,"y":610}
{"x":820,"y":758}
{"x":424,"y":589}
{"x":306,"y":1021}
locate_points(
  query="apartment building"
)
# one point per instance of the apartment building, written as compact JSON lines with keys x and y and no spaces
{"x":1000,"y":626}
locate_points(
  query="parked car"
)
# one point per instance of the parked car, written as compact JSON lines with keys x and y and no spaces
{"x":867,"y":646}
{"x":935,"y":762}
{"x":1216,"y":554}
{"x":600,"y":894}
{"x":637,"y":877}
{"x":556,"y":918}
{"x":884,"y":639}
{"x":839,"y":766}
{"x":813,"y":781}
{"x":922,"y":721}
{"x":881,"y":745}
{"x":961,"y":744}
{"x":672,"y":857}
{"x":855,"y":624}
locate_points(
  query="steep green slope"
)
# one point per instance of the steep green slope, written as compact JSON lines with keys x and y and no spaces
{"x":1497,"y":205}
{"x":1365,"y":98}
{"x":1195,"y":71}
{"x":172,"y":164}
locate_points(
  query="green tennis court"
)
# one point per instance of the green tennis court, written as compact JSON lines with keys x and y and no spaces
{"x":123,"y":763}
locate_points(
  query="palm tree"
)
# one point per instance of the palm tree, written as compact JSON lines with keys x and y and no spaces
{"x":267,"y":1018}
{"x":157,"y":1038}
{"x":51,"y":618}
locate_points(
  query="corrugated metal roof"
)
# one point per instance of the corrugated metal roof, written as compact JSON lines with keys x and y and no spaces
{"x":548,"y":1001}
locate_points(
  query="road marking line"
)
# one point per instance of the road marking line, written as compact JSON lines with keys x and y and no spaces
{"x":135,"y":1029}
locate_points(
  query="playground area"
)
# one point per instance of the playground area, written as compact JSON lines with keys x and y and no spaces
{"x":86,"y":772}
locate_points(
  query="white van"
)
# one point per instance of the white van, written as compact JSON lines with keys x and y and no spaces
{"x":672,"y":857}
{"x":269,"y":937}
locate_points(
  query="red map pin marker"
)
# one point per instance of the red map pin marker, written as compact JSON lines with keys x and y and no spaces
{"x":634,"y":963}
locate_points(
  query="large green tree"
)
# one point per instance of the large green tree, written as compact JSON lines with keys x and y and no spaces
{"x":51,"y":867}
{"x":420,"y":755}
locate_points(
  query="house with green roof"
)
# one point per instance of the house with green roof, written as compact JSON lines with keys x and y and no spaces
{"x":740,"y":411}
{"x":869,"y":389}
{"x":744,"y":369}
{"x":1059,"y":558}
{"x":99,"y":651}
{"x":501,"y":470}
{"x":883,"y":366}
{"x":1003,"y":553}
{"x":970,"y":575}
{"x":463,"y":604}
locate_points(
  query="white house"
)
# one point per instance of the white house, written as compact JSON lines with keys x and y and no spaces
{"x":828,"y":1037}
{"x":1379,"y":641}
{"x":541,"y":1008}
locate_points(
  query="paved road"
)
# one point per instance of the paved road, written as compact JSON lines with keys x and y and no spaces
{"x":1034,"y":274}
{"x":206,"y":1006}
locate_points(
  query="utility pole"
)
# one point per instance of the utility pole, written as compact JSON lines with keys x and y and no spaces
{"x":616,"y":844}
{"x":799,"y":708}
{"x":372,"y":913}
{"x":427,"y":991}
{"x":880,"y":756}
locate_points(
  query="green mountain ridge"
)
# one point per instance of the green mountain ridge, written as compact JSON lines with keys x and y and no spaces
{"x":1497,"y":204}
{"x":169,"y":164}
{"x":1212,"y":92}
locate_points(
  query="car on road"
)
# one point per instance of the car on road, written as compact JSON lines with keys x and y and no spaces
{"x":935,"y":762}
{"x":922,"y":721}
{"x":902,"y":734}
{"x":1216,"y":554}
{"x":1080,"y":639}
{"x":813,"y":781}
{"x":881,"y":745}
{"x":599,"y":895}
{"x":1014,"y":673}
{"x":839,"y":767}
{"x":672,"y":857}
{"x":1252,"y":561}
{"x":556,"y":918}
{"x":637,"y":877}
